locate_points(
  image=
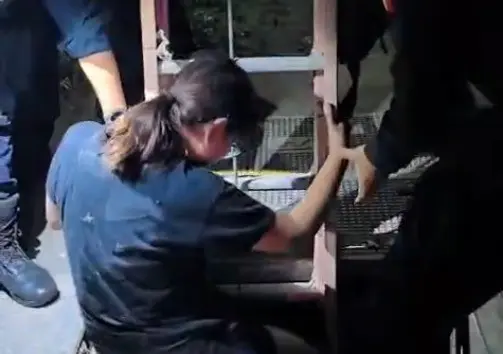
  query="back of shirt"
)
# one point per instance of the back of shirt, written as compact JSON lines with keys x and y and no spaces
{"x":137,"y":251}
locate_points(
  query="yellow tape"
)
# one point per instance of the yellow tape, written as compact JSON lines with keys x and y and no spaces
{"x":255,"y":173}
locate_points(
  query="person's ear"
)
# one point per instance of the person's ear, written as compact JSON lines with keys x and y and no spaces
{"x":216,"y":132}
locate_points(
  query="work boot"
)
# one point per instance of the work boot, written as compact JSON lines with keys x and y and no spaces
{"x":25,"y":282}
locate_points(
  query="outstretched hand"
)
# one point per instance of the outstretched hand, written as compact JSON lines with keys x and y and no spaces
{"x":365,"y":172}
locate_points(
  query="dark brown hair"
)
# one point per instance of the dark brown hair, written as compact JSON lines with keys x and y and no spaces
{"x":208,"y":87}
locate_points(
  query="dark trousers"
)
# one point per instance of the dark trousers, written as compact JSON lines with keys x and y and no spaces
{"x":28,"y":101}
{"x":446,"y":260}
{"x":228,"y":339}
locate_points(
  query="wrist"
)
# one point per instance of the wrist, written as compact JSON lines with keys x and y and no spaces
{"x":113,"y":115}
{"x":337,"y":155}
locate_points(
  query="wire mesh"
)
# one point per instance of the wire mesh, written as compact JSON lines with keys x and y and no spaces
{"x":373,"y":224}
{"x":287,"y":146}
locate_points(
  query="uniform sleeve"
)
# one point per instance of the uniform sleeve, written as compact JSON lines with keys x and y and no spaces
{"x":236,"y":221}
{"x":81,"y":26}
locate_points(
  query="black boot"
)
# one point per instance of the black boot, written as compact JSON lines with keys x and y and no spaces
{"x":26,"y":282}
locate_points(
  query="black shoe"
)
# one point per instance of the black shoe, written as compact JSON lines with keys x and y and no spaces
{"x":24,"y":281}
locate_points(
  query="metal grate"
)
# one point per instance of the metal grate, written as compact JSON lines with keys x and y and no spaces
{"x":373,"y":224}
{"x":278,"y":200}
{"x":287,"y":146}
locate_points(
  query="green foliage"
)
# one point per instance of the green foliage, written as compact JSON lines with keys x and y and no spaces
{"x":261,"y":27}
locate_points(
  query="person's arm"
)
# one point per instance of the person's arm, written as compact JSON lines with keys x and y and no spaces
{"x":84,"y":37}
{"x":52,"y":214}
{"x":239,"y":222}
{"x":306,"y":218}
{"x":429,"y":83}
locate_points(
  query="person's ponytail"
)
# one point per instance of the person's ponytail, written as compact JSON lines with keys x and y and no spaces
{"x":145,"y":135}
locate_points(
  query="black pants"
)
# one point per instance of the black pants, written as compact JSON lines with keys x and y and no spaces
{"x":28,"y":101}
{"x":447,"y":258}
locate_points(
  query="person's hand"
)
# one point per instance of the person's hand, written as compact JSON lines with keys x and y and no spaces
{"x":335,"y":131}
{"x":365,"y":172}
{"x":319,"y":85}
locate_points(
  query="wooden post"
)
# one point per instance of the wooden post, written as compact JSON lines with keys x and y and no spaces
{"x":325,"y":242}
{"x":149,"y":39}
{"x":325,"y":42}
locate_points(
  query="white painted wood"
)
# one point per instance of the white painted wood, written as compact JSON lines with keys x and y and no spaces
{"x":325,"y":42}
{"x":261,"y":64}
{"x":149,"y":40}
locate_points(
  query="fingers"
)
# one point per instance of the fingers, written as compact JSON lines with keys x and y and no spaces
{"x":365,"y":181}
{"x":362,"y":193}
{"x":328,"y":112}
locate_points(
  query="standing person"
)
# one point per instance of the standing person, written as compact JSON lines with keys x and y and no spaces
{"x":441,"y":267}
{"x":140,"y":212}
{"x":30,"y":31}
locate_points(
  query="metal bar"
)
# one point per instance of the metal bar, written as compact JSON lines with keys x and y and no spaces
{"x":230,"y":28}
{"x":325,"y":242}
{"x":312,"y":62}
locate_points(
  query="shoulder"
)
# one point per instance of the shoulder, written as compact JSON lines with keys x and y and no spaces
{"x":197,"y":183}
{"x":86,"y":128}
{"x":80,"y":133}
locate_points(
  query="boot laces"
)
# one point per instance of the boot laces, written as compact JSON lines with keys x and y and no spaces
{"x":10,"y":249}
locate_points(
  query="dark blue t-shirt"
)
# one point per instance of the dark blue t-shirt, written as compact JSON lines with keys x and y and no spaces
{"x":138,"y":251}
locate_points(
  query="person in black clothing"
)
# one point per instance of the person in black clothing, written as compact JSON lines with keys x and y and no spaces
{"x":441,"y":265}
{"x":141,"y":212}
{"x":30,"y":32}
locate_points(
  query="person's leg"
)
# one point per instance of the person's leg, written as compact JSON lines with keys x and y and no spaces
{"x":20,"y":277}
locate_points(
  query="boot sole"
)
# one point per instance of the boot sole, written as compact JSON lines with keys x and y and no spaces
{"x":28,"y":303}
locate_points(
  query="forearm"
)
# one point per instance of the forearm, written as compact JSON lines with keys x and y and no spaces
{"x":308,"y":215}
{"x":52,"y":214}
{"x":103,"y":74}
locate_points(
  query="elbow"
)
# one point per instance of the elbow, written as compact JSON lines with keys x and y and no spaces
{"x":54,"y":224}
{"x":52,"y":215}
{"x":272,"y":242}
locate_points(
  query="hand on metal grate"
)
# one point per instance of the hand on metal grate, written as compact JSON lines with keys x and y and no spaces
{"x":365,"y":172}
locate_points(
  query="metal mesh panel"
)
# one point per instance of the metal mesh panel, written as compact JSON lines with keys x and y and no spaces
{"x":278,"y":200}
{"x":287,"y":146}
{"x":372,"y":225}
